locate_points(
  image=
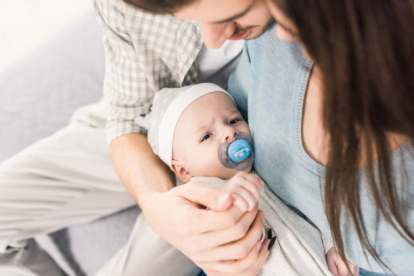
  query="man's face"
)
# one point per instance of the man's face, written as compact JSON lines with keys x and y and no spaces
{"x":228,"y":19}
{"x":207,"y":123}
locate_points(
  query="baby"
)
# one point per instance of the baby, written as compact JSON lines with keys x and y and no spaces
{"x":186,"y":127}
{"x":194,"y":130}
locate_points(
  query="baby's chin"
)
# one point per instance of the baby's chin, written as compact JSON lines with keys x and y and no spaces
{"x":245,"y":163}
{"x":232,"y":172}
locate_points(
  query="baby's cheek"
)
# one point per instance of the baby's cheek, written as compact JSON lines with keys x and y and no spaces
{"x":217,"y":169}
{"x":208,"y":165}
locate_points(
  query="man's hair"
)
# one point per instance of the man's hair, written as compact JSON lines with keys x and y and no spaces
{"x":160,"y":6}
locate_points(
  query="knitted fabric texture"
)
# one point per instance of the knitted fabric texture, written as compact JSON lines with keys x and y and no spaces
{"x":167,"y":107}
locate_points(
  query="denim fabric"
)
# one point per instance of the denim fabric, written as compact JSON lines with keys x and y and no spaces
{"x":364,"y":272}
{"x":269,"y":87}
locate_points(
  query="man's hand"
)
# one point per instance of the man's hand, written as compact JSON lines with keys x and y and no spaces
{"x":221,"y":238}
{"x":338,"y":267}
{"x":246,"y":189}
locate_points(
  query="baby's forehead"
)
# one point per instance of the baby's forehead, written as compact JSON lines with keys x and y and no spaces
{"x":205,"y":116}
{"x":204,"y":109}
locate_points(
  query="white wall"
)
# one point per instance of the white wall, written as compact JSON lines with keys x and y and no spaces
{"x":25,"y":24}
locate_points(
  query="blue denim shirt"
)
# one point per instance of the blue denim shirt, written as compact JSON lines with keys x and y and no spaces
{"x":269,"y":87}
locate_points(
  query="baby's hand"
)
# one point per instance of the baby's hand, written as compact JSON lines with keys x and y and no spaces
{"x":338,"y":267}
{"x":246,"y":189}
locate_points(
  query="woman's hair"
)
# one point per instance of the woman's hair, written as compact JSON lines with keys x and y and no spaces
{"x":365,"y":52}
{"x":160,"y":6}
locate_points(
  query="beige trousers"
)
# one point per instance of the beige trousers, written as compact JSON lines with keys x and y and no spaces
{"x":68,"y":179}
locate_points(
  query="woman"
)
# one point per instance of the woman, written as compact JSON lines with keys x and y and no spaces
{"x":363,"y":55}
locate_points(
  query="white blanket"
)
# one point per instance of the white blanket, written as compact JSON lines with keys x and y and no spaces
{"x":300,"y":249}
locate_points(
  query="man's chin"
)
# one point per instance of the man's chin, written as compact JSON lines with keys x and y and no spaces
{"x":256,"y":34}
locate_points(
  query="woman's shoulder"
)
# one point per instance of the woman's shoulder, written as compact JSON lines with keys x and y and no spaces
{"x":269,"y":47}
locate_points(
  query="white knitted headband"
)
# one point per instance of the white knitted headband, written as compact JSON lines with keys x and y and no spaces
{"x":168,"y":105}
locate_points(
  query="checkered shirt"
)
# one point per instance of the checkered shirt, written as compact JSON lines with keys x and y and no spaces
{"x":144,"y":53}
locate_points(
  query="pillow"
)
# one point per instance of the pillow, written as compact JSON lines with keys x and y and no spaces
{"x":40,"y":92}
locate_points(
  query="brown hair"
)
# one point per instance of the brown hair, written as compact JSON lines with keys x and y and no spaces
{"x":365,"y":52}
{"x":160,"y":6}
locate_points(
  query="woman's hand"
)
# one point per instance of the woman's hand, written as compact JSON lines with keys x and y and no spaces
{"x":222,"y":239}
{"x":241,"y":267}
{"x":338,"y":267}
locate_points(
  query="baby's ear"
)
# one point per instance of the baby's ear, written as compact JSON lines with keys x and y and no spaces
{"x":179,"y":168}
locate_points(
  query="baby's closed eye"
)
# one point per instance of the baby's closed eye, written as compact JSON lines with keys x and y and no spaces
{"x":206,"y":137}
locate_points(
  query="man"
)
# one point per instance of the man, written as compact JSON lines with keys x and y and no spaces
{"x":144,"y":53}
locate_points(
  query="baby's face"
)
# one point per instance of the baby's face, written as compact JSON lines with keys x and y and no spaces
{"x":204,"y":125}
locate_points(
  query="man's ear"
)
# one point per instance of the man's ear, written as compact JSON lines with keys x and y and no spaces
{"x":179,"y":168}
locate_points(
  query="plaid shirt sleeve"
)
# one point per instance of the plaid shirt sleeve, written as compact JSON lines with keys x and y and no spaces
{"x":141,"y":58}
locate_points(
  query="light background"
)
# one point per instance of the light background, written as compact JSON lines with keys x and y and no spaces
{"x":26,"y":24}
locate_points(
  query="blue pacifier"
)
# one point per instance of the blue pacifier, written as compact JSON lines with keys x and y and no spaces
{"x":231,"y":155}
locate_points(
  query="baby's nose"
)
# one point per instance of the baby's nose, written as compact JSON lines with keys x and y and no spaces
{"x":229,"y":135}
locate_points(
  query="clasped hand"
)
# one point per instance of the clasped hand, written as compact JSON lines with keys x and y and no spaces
{"x":223,"y":239}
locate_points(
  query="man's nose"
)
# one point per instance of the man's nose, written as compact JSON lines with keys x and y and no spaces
{"x":215,"y":35}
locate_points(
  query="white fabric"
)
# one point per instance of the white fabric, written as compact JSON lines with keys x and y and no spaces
{"x":67,"y":179}
{"x":211,"y":61}
{"x":300,"y":249}
{"x":146,"y":253}
{"x":40,"y":92}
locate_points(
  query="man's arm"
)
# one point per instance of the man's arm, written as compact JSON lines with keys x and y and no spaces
{"x":137,"y":166}
{"x":133,"y":72}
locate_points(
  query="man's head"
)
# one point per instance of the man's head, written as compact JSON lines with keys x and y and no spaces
{"x":205,"y":124}
{"x":220,"y":19}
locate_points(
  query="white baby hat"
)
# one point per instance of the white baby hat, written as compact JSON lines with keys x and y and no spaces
{"x":168,"y":105}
